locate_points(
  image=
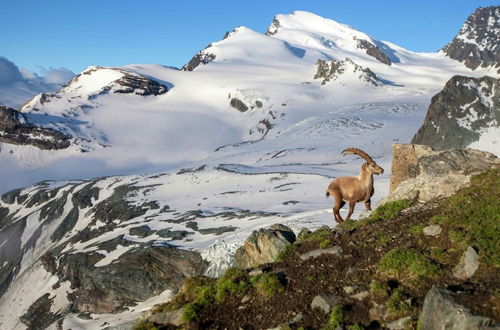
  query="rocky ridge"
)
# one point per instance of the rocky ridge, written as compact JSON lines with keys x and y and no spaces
{"x":333,"y":71}
{"x":460,"y":113}
{"x":478,"y":42}
{"x":15,"y":129}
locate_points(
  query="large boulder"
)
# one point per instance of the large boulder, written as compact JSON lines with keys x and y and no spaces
{"x":441,"y":311}
{"x":263,"y":246}
{"x":423,"y":174}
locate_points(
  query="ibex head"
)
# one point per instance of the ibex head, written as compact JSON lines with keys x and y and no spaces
{"x":370,"y":164}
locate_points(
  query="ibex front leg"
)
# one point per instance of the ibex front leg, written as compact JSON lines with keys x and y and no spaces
{"x":351,"y":209}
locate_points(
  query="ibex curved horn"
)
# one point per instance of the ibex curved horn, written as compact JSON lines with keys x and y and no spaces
{"x":358,"y":152}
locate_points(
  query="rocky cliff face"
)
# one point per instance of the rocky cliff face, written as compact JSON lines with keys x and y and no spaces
{"x":66,"y":233}
{"x":458,"y":115}
{"x":15,"y":129}
{"x":337,"y":71}
{"x":478,"y":42}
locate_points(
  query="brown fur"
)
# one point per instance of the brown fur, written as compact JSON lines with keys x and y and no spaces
{"x":353,"y":189}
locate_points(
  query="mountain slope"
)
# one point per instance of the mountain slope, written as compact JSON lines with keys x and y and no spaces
{"x":246,"y":138}
{"x":466,"y":113}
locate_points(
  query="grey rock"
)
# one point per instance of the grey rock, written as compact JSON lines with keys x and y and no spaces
{"x":432,"y":230}
{"x":164,"y":318}
{"x":335,"y":250}
{"x":201,"y":58}
{"x":423,"y":174}
{"x":141,"y":231}
{"x":362,"y":295}
{"x":325,"y":302}
{"x":263,"y":246}
{"x":441,"y":311}
{"x":239,"y":104}
{"x":374,"y":51}
{"x":468,"y":264}
{"x":349,"y":289}
{"x":399,"y":324}
{"x":459,"y":113}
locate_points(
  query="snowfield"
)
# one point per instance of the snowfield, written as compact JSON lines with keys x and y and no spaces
{"x":209,"y":164}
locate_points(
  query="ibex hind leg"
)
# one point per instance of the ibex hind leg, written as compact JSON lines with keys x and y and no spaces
{"x":338,"y":205}
{"x":368,"y":204}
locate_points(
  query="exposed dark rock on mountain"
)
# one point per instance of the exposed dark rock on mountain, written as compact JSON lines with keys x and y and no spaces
{"x":135,"y":271}
{"x":15,"y":129}
{"x":478,"y":42}
{"x":238,"y":104}
{"x":140,"y":85}
{"x":202,"y":57}
{"x":374,"y":51}
{"x":129,"y":83}
{"x":135,"y":276}
{"x":274,"y":27}
{"x":333,"y":70}
{"x":39,"y":316}
{"x":460,"y":113}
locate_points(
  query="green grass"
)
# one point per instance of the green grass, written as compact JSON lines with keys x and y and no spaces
{"x":325,"y":243}
{"x":336,"y":317}
{"x":387,"y":211}
{"x":355,"y":327}
{"x":288,"y":251}
{"x":267,"y":284}
{"x":396,"y":305}
{"x":145,"y":325}
{"x":379,"y":290}
{"x":473,"y":215}
{"x":410,"y":262}
{"x":417,"y":229}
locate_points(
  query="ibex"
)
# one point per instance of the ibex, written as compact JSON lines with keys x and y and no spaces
{"x":354,"y":189}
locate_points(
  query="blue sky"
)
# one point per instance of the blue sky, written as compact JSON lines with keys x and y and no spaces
{"x":77,"y":33}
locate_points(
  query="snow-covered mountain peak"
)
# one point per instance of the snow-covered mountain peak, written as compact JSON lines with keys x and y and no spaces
{"x":478,"y":42}
{"x":306,"y":21}
{"x":308,"y":30}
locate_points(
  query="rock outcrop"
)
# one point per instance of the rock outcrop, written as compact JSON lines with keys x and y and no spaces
{"x":15,"y":129}
{"x":374,"y":51}
{"x":263,"y":246}
{"x":441,"y":311}
{"x":420,"y":173}
{"x":201,"y":58}
{"x":330,"y":71}
{"x":478,"y":42}
{"x":460,"y":113}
